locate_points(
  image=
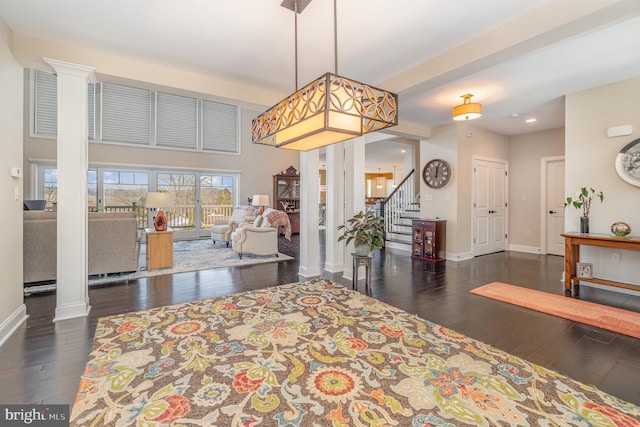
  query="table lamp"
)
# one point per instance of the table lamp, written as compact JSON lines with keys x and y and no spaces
{"x":260,"y":200}
{"x":157,"y":201}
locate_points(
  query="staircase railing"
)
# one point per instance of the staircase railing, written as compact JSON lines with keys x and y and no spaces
{"x":399,"y":201}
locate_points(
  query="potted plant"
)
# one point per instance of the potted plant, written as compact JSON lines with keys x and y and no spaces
{"x":366,"y":230}
{"x":582,"y":201}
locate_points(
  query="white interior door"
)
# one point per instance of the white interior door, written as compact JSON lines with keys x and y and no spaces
{"x":555,"y":207}
{"x":489,"y":206}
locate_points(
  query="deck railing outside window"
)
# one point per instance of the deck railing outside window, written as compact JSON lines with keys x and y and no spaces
{"x":179,"y":217}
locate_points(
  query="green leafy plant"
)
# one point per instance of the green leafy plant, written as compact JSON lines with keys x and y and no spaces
{"x":583,"y":200}
{"x":364,"y":228}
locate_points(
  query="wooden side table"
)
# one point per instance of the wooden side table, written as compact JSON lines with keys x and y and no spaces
{"x":159,"y":248}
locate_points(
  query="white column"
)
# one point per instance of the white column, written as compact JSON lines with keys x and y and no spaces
{"x":354,"y":191}
{"x":334,"y":250}
{"x":310,"y":217}
{"x":72,"y":165}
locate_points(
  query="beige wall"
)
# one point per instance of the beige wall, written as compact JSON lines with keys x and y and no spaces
{"x":441,"y":203}
{"x":30,"y":51}
{"x":473,"y":142}
{"x":590,"y":156}
{"x":458,"y":143}
{"x":12,"y":310}
{"x":524,"y":183}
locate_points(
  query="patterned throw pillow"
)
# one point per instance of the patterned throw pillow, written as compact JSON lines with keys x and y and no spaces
{"x":258,"y":221}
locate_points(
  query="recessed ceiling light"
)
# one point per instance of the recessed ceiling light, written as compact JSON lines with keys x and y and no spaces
{"x":514,"y":115}
{"x":530,"y":120}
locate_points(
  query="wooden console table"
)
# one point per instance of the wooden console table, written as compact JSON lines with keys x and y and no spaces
{"x":572,"y":242}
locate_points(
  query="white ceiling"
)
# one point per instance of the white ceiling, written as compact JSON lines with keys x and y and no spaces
{"x":514,"y":56}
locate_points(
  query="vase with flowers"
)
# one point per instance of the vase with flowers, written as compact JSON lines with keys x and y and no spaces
{"x":582,"y":200}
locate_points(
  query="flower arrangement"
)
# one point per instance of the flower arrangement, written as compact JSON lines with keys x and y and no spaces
{"x":365,"y":228}
{"x":583,"y":200}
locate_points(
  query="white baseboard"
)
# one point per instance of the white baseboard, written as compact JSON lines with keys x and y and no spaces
{"x":308,"y":273}
{"x":527,"y":249}
{"x":72,"y":311}
{"x":333,"y":268}
{"x":9,"y":326}
{"x":459,"y":257}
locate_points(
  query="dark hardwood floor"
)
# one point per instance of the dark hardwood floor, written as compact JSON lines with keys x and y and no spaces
{"x":42,"y":361}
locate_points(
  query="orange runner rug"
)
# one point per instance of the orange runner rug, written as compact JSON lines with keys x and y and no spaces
{"x":610,"y":318}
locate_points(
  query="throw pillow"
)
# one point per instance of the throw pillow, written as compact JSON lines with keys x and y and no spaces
{"x":258,"y":221}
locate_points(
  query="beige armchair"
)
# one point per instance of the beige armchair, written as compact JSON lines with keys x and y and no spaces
{"x":256,"y":240}
{"x":221,"y":229}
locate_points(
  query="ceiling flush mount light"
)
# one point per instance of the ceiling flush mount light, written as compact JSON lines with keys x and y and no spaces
{"x":468,"y":110}
{"x":328,"y":110}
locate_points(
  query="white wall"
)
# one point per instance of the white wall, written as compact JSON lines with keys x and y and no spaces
{"x":524,"y":182}
{"x":12,"y":310}
{"x":590,"y":156}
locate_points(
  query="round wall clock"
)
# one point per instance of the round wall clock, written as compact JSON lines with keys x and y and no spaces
{"x":628,"y":163}
{"x":436,"y":173}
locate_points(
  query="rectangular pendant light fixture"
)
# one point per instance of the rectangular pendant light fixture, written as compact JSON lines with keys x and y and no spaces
{"x":328,"y":110}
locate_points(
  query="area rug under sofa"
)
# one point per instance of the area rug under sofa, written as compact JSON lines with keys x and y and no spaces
{"x":315,"y":353}
{"x":191,"y":255}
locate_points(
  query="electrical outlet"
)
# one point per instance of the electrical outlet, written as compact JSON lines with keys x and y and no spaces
{"x":615,"y":256}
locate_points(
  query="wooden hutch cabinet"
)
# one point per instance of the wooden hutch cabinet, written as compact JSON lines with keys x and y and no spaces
{"x":428,"y":240}
{"x":286,"y":195}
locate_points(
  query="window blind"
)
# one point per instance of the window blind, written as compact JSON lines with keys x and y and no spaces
{"x":45,"y":104}
{"x":126,"y":114}
{"x":176,"y":121}
{"x":219,"y":127}
{"x":91,"y":106}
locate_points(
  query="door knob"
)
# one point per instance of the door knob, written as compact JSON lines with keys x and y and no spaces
{"x":553,"y":212}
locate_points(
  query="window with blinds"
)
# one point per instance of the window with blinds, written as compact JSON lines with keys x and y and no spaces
{"x":45,"y":106}
{"x":176,"y":121}
{"x":219,"y":127}
{"x":91,"y":116}
{"x":132,"y":115}
{"x":126,"y":114}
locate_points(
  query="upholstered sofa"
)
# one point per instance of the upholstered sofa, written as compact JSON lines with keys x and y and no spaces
{"x":257,"y":239}
{"x":113,"y":244}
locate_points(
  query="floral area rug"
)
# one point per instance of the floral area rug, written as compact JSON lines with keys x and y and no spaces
{"x":317,"y":354}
